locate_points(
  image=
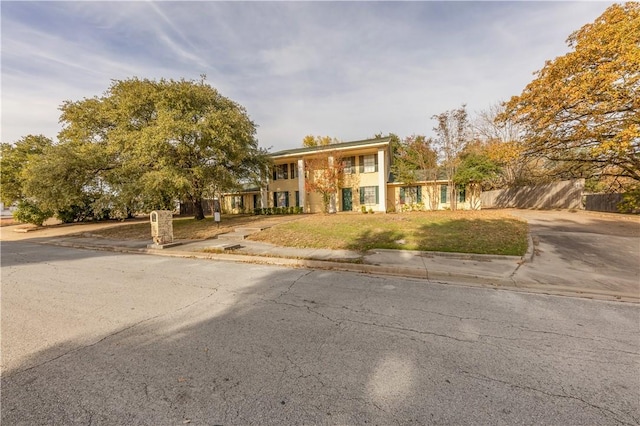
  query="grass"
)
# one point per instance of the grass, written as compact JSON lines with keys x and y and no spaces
{"x":484,"y":232}
{"x":186,"y":228}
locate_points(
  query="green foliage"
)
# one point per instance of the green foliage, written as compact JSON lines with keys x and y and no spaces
{"x":363,"y":209}
{"x":630,"y":201}
{"x":476,"y":168}
{"x":14,"y":163}
{"x":29,"y":212}
{"x":415,"y":160}
{"x":145,"y":144}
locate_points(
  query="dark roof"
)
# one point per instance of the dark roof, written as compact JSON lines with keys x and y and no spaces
{"x":331,"y":147}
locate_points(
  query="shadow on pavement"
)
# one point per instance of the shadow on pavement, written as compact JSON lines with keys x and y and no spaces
{"x":309,"y":347}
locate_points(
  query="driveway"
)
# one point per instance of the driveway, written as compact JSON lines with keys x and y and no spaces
{"x":599,"y":250}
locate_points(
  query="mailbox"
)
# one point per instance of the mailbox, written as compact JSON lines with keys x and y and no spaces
{"x":162,"y":226}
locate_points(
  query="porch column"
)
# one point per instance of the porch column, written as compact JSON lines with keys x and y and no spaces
{"x":264,"y":195}
{"x":301,"y":192}
{"x":382,"y":182}
{"x":333,"y":208}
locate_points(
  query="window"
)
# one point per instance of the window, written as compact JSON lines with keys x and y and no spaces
{"x":297,"y":198}
{"x":410,"y":194}
{"x":368,"y":195}
{"x":237,"y":202}
{"x":444,"y":189}
{"x":368,"y":163}
{"x":292,"y":168}
{"x":280,"y":171}
{"x":349,"y":164}
{"x":281,"y":199}
{"x":462,"y":194}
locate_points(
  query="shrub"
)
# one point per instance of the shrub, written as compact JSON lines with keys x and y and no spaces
{"x":364,"y":209}
{"x":370,"y":210}
{"x":630,"y":201}
{"x":29,"y":212}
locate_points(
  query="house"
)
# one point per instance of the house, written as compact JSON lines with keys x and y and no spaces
{"x":365,"y":169}
{"x":366,"y":181}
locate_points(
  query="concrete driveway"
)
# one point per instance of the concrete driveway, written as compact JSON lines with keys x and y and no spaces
{"x":599,"y":250}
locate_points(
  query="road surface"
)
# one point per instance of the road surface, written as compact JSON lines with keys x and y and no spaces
{"x":103,"y":338}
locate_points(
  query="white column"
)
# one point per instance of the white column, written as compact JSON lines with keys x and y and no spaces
{"x":301,"y":182}
{"x":332,"y":200}
{"x":382,"y":181}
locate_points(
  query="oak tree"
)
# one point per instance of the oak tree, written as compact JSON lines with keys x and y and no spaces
{"x":155,"y":142}
{"x":582,"y":111}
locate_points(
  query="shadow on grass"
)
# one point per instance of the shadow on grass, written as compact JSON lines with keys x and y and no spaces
{"x":481,"y":236}
{"x":370,"y":239}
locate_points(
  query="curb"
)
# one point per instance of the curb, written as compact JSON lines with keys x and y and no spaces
{"x":438,"y":277}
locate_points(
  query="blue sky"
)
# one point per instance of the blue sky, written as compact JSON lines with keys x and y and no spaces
{"x":343,"y":69}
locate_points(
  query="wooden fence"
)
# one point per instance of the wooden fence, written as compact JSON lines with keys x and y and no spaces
{"x":558,"y":195}
{"x":602,"y":202}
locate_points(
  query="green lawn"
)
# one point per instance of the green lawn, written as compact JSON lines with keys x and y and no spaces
{"x":487,"y":232}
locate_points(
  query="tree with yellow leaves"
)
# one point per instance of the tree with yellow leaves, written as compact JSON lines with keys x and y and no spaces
{"x":583,"y":109}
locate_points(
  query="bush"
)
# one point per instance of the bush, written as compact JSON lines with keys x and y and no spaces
{"x":630,"y":201}
{"x":364,"y":209}
{"x":29,"y":212}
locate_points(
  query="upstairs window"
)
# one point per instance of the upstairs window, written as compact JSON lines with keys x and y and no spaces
{"x":368,"y":163}
{"x":280,"y":171}
{"x":349,"y":164}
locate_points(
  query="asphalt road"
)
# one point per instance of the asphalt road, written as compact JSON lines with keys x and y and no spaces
{"x":102,"y":338}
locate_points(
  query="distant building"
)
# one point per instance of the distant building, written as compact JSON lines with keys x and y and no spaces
{"x":6,"y":211}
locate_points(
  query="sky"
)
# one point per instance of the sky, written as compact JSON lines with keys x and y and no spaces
{"x":348,"y":70}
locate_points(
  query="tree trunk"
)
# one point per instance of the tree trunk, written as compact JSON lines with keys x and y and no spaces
{"x":198,"y":209}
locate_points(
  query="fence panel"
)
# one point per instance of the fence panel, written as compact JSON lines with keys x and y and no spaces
{"x":558,"y":195}
{"x":602,"y":202}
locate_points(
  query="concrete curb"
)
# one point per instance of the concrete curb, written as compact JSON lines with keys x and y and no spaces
{"x":438,"y":277}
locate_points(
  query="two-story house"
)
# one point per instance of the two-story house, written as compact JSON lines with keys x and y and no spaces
{"x":365,"y":180}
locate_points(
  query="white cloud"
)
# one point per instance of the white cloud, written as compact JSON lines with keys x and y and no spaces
{"x":347,"y":70}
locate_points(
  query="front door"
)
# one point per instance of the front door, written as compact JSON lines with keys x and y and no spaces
{"x":347,"y":200}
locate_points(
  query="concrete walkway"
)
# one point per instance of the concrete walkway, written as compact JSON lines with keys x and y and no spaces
{"x":542,"y":270}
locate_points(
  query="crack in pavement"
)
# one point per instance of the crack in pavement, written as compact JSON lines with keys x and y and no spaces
{"x":285,"y":292}
{"x":115,"y":333}
{"x":529,"y":388}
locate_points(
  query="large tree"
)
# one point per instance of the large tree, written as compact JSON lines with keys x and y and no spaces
{"x":152,"y":142}
{"x":14,"y":162}
{"x":582,"y":111}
